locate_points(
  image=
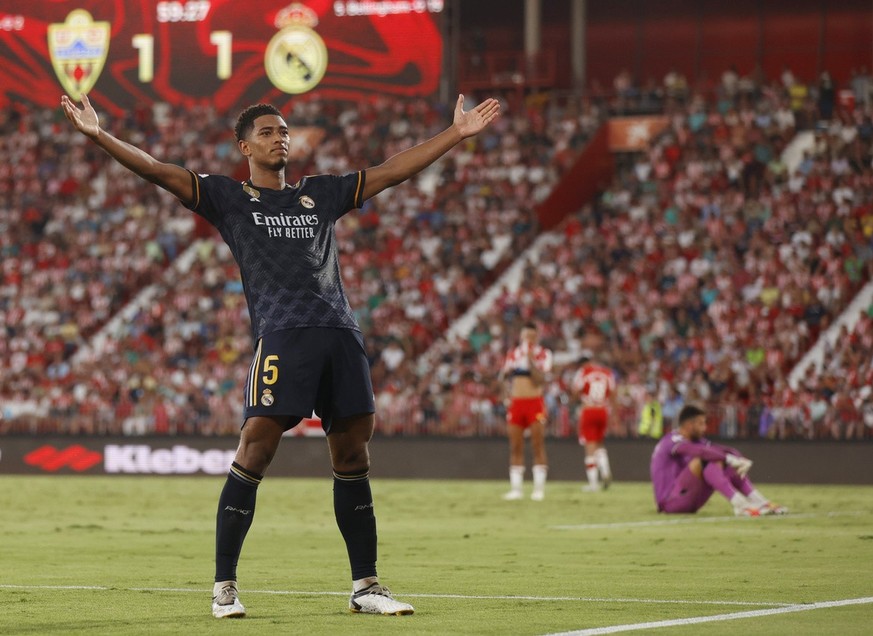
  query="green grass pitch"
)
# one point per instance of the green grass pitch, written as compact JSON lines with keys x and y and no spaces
{"x":118,"y":555}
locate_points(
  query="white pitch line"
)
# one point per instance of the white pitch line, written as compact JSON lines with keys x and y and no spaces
{"x":632,"y":627}
{"x":471,"y":597}
{"x":686,"y":519}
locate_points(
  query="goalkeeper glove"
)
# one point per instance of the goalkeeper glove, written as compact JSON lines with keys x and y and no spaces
{"x":741,"y":464}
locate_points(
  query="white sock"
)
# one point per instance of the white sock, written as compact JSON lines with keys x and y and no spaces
{"x":591,"y":471}
{"x":516,"y":478}
{"x":361,"y":584}
{"x":603,"y":463}
{"x":539,"y":477}
{"x":216,"y":587}
{"x":757,"y":498}
{"x":739,"y":501}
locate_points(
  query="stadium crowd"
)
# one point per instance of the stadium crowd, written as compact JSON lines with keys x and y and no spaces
{"x":80,"y":238}
{"x":702,"y":273}
{"x":416,"y":252}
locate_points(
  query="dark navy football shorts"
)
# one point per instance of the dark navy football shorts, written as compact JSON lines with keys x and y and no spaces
{"x":296,"y":372}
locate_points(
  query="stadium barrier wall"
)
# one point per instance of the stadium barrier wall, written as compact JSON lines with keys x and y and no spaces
{"x":420,"y":457}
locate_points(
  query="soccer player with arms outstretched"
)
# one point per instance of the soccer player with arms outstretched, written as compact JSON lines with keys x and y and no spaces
{"x":309,"y":352}
{"x":687,"y":468}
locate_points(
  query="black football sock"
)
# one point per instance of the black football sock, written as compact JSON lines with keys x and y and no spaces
{"x":236,"y":509}
{"x":353,"y":506}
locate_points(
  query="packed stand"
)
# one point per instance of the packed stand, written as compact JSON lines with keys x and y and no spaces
{"x":413,"y":259}
{"x":705,"y":270}
{"x":81,"y":236}
{"x":702,"y":274}
{"x":835,"y":401}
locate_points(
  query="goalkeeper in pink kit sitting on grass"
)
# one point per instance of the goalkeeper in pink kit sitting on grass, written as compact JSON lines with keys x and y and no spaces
{"x":686,"y":469}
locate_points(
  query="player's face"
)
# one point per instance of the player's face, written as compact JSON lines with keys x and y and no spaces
{"x":267,"y":144}
{"x":697,"y":427}
{"x":529,"y":336}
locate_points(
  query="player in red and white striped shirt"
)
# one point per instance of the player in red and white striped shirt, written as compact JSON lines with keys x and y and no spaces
{"x":595,"y":384}
{"x":527,"y":367}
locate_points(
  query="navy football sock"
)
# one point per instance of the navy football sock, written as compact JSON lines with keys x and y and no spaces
{"x":236,"y":509}
{"x":353,"y":506}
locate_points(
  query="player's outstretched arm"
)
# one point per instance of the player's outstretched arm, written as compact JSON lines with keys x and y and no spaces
{"x":404,"y":165}
{"x":172,"y":178}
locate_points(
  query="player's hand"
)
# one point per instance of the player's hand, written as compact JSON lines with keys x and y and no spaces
{"x":85,"y":119}
{"x":471,"y":122}
{"x":741,"y":464}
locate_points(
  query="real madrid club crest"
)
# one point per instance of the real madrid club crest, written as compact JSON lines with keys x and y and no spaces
{"x":267,"y":398}
{"x":296,"y":57}
{"x":78,"y":49}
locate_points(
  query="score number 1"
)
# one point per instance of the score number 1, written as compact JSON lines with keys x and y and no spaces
{"x":145,"y":44}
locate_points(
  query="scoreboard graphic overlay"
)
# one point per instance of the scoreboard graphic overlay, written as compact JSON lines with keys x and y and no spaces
{"x":128,"y":53}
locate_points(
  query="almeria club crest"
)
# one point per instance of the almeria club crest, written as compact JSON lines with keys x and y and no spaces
{"x":78,"y":48}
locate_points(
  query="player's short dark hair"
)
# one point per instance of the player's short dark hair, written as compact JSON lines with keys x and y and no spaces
{"x":530,"y":325}
{"x":245,"y":123}
{"x":689,"y":412}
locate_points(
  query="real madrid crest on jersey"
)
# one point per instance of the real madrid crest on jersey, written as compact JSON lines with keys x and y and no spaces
{"x":296,"y":57}
{"x":78,"y":48}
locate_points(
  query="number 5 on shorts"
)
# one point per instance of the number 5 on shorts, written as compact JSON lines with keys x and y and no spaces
{"x":271,"y":371}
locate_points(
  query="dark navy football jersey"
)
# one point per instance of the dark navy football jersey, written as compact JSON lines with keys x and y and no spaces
{"x":285,"y":245}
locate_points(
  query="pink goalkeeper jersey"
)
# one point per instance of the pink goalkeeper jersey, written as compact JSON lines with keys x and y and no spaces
{"x":673,"y":453}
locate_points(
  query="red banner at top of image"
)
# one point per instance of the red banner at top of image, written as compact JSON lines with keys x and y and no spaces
{"x":131,"y":53}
